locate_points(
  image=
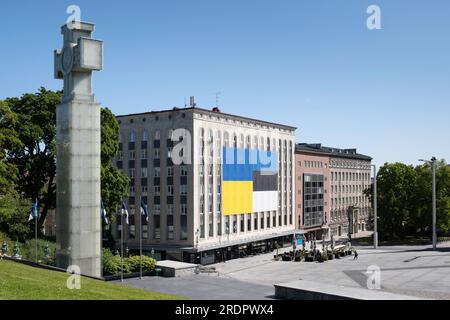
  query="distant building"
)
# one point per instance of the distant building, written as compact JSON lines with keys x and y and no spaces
{"x":312,"y":189}
{"x":331,"y":199}
{"x":207,"y":210}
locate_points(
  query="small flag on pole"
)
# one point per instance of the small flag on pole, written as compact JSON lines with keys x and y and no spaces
{"x":104,"y":216}
{"x":34,"y":211}
{"x":144,"y":210}
{"x":125,"y":212}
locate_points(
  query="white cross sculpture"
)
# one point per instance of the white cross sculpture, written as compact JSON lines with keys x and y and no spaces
{"x":79,"y":57}
{"x":78,"y":140}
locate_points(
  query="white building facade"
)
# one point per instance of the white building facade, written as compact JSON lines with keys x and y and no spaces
{"x":194,"y":215}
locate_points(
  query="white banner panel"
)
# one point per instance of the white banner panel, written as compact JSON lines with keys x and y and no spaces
{"x":265,"y":201}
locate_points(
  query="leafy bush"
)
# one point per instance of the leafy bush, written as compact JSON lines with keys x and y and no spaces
{"x":134,"y":262}
{"x":112,"y":263}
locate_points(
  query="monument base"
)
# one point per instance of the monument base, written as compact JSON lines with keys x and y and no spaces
{"x":78,"y":228}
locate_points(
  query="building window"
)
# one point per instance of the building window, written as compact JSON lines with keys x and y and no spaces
{"x":132,"y":136}
{"x":157,"y":225}
{"x":144,"y":172}
{"x":132,"y":155}
{"x":157,"y":172}
{"x":170,"y":227}
{"x":144,"y":154}
{"x":144,"y":229}
{"x":170,"y":171}
{"x":183,"y":189}
{"x":313,"y":199}
{"x":144,"y":135}
{"x":183,"y":227}
{"x":183,"y":171}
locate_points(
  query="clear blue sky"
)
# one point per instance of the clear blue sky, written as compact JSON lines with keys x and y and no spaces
{"x":311,"y":64}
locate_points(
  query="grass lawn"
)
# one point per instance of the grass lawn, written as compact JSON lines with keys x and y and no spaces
{"x":21,"y":282}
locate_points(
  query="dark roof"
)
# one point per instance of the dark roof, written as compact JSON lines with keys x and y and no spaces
{"x":209,"y":112}
{"x":317,"y":148}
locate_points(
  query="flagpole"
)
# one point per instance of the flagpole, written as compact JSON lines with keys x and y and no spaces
{"x":140,"y":237}
{"x":121,"y":246}
{"x":35,"y":236}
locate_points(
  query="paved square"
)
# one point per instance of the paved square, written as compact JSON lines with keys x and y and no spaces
{"x":416,"y":271}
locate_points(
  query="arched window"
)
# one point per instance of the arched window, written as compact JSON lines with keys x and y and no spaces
{"x":157,"y":135}
{"x":132,"y":136}
{"x":235,"y":140}
{"x":144,"y":135}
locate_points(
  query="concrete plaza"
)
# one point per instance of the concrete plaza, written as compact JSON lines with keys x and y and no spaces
{"x":409,"y":270}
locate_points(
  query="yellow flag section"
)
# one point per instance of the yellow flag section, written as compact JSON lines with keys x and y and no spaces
{"x":237,"y":197}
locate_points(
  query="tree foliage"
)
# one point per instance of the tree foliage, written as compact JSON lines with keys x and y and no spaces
{"x":114,"y":182}
{"x":34,"y":157}
{"x":28,"y":155}
{"x":8,"y":139}
{"x":404,"y":199}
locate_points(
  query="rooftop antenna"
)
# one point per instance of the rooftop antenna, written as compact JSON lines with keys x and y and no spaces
{"x":192,"y":102}
{"x":218,"y":98}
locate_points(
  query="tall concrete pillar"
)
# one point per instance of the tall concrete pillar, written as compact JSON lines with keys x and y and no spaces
{"x":78,"y":219}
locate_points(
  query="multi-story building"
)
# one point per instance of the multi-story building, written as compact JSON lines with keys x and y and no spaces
{"x":217,"y":186}
{"x":346,"y":175}
{"x":312,"y":186}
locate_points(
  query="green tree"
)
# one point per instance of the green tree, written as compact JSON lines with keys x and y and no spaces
{"x":30,"y":151}
{"x":396,"y":183}
{"x":114,"y":182}
{"x":422,"y":217}
{"x":14,"y":213}
{"x":8,"y":139}
{"x":35,"y":157}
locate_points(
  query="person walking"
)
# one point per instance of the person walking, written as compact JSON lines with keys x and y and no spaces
{"x":356,"y":255}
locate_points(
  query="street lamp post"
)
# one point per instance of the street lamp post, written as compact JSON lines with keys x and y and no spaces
{"x":375,"y":212}
{"x":432,"y":162}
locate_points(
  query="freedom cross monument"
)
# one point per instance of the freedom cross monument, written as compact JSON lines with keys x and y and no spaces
{"x":78,"y":223}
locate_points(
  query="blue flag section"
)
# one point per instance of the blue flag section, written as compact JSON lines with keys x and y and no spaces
{"x":34,"y":211}
{"x":144,"y":210}
{"x":104,"y":216}
{"x":124,"y":211}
